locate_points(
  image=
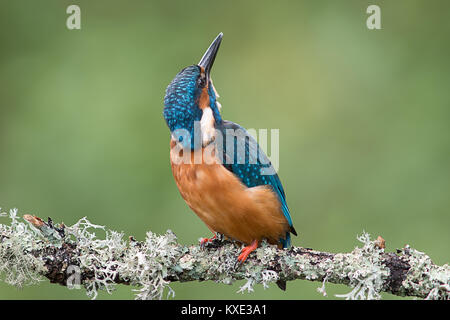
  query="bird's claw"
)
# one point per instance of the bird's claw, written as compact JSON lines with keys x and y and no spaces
{"x":245,"y":253}
{"x":205,"y":241}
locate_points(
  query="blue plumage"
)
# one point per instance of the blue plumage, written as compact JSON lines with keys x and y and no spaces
{"x":251,"y":166}
{"x":181,"y":109}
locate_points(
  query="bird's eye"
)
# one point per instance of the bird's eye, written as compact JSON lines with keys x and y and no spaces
{"x":201,"y":81}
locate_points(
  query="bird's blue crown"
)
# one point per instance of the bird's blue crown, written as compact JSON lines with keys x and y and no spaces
{"x":181,"y":105}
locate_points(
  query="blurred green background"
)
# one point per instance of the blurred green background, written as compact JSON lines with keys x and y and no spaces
{"x":363,"y":118}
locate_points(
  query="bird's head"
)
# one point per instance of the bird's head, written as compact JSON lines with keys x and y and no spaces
{"x":190,"y":103}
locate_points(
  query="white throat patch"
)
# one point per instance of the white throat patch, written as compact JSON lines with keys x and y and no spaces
{"x":207,"y":126}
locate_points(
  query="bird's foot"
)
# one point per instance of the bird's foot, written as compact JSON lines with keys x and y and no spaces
{"x":246,"y":251}
{"x":205,"y":241}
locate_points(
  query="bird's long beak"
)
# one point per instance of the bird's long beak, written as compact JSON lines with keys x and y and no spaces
{"x":207,"y":61}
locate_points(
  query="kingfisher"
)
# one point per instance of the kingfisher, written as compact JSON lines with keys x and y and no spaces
{"x":236,"y":193}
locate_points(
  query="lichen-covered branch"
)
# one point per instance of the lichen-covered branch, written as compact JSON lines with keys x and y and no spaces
{"x":31,"y":249}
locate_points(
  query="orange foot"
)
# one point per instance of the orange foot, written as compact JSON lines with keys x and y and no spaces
{"x":204,"y":241}
{"x":246,"y":251}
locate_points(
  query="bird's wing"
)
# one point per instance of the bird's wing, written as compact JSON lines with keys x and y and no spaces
{"x":243,"y":157}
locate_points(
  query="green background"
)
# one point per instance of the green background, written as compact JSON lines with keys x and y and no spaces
{"x":363,"y":118}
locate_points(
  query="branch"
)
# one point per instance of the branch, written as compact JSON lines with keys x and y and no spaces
{"x":75,"y":256}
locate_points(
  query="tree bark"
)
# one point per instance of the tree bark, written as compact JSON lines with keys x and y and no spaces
{"x":76,"y":256}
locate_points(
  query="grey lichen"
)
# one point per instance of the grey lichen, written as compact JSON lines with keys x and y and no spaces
{"x":33,"y":249}
{"x":17,"y":266}
{"x":100,"y":256}
{"x":365,"y":270}
{"x":425,"y":277}
{"x":147,"y":264}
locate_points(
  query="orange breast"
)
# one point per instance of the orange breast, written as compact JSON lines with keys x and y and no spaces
{"x":225,"y":204}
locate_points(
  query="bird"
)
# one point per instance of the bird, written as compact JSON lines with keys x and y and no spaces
{"x":236,"y":194}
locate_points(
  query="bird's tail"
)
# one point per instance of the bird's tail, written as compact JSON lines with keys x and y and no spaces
{"x":286,"y":243}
